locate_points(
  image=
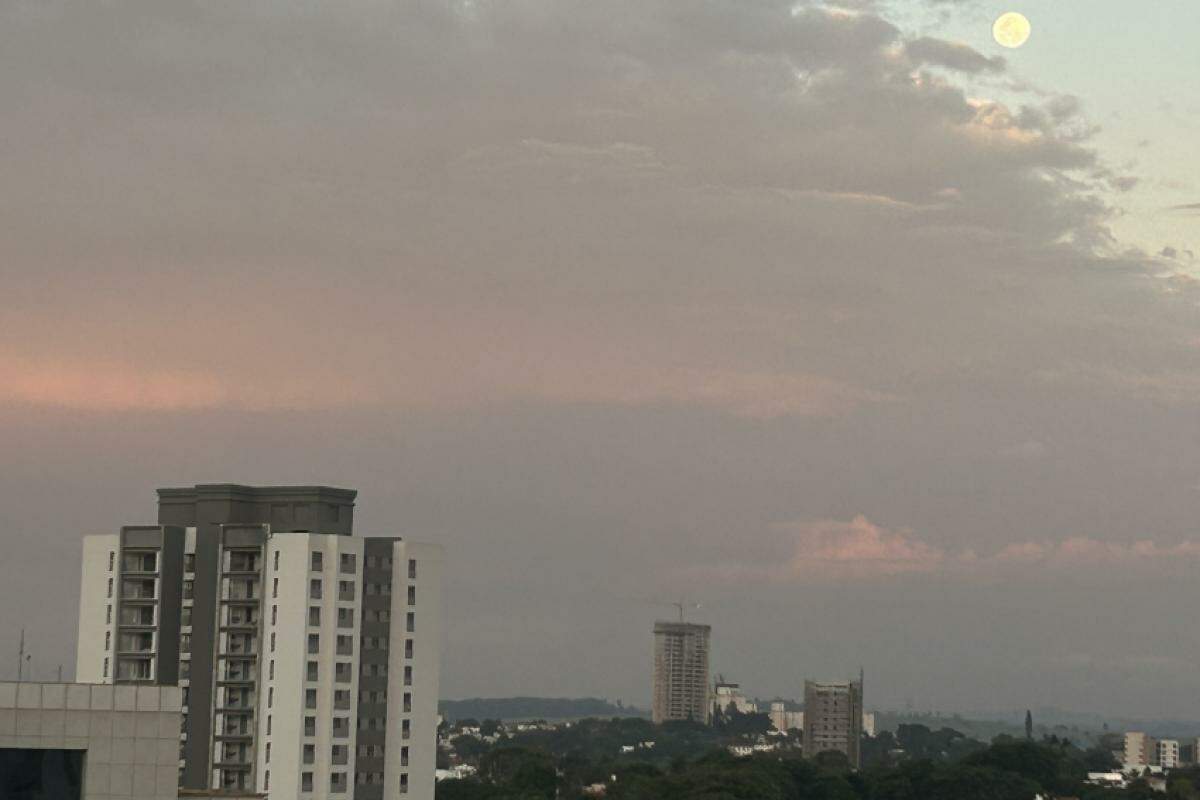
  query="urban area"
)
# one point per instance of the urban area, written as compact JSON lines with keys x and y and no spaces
{"x":247,"y":645}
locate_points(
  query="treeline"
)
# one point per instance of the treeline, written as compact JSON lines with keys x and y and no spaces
{"x":521,"y":708}
{"x":915,"y":763}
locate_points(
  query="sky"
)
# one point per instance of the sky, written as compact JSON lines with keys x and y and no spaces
{"x":877,"y":340}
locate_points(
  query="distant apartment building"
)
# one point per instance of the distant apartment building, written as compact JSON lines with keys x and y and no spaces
{"x":308,"y":658}
{"x":833,"y":719}
{"x":728,"y":697}
{"x":1167,"y":753}
{"x":785,"y":720}
{"x":1140,"y":750}
{"x":681,"y":672}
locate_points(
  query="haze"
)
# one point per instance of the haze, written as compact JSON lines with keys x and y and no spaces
{"x":836,"y":320}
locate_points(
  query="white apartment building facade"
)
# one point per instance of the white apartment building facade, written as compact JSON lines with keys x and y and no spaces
{"x":308,"y":659}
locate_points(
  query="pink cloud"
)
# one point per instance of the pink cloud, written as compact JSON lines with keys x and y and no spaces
{"x":833,"y":550}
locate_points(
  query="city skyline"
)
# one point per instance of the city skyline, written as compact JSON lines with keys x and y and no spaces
{"x":803,"y":310}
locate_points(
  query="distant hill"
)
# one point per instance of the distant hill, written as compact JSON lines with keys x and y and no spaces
{"x":522,"y":708}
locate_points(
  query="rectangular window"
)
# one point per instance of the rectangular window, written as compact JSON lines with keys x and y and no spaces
{"x":270,"y":696}
{"x":274,"y":615}
{"x":272,"y":642}
{"x":405,"y":729}
{"x":408,"y":648}
{"x":275,"y":564}
{"x":314,"y":615}
{"x":271,"y":670}
{"x":348,"y":563}
{"x":345,"y":590}
{"x":275,"y":587}
{"x":318,"y":561}
{"x":408,"y":676}
{"x":185,"y":616}
{"x":268,"y":725}
{"x":313,"y":671}
{"x":110,"y":585}
{"x":189,"y":562}
{"x":412,"y":595}
{"x":310,"y":726}
{"x":310,"y":698}
{"x":345,"y":645}
{"x":407,"y":702}
{"x":306,"y":782}
{"x":189,"y":589}
{"x":108,"y":616}
{"x":410,"y":622}
{"x":106,"y":667}
{"x":112,"y":559}
{"x":185,"y":643}
{"x":403,"y":783}
{"x":345,"y":618}
{"x":342,"y":672}
{"x":314,"y":589}
{"x":310,"y":753}
{"x":314,"y":643}
{"x":412,"y":569}
{"x":267,"y":774}
{"x":107,"y":640}
{"x":371,"y":561}
{"x":404,"y":756}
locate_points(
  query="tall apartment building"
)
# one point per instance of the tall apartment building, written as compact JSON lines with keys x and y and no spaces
{"x":681,"y":672}
{"x":308,"y":657}
{"x":1140,"y":750}
{"x":833,"y":718}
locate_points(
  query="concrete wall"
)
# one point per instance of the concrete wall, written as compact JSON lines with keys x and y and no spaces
{"x":97,"y":610}
{"x":130,"y":733}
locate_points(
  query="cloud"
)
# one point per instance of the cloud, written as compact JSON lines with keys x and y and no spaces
{"x":955,"y":55}
{"x":832,"y":550}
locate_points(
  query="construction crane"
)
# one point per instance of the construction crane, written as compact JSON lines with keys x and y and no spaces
{"x":678,"y":606}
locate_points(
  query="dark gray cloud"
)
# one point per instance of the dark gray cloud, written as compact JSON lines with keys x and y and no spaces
{"x":601,"y":296}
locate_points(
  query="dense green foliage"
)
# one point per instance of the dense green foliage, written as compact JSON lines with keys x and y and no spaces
{"x":691,"y":762}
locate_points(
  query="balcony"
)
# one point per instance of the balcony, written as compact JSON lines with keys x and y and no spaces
{"x":140,"y":616}
{"x":146,"y":563}
{"x":241,"y":644}
{"x":136,"y":643}
{"x":241,"y":617}
{"x":134,"y":669}
{"x":243,"y":561}
{"x":238,"y":700}
{"x":242,"y":589}
{"x":139,"y":589}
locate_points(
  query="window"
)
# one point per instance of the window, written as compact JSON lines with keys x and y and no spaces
{"x":342,"y":672}
{"x":271,"y":670}
{"x":313,"y":671}
{"x":112,"y":559}
{"x":348,"y":563}
{"x":189,"y":589}
{"x":275,"y":587}
{"x":185,"y":669}
{"x":310,"y":698}
{"x":345,"y":590}
{"x":306,"y":782}
{"x":404,"y":756}
{"x":310,"y":726}
{"x":412,"y":595}
{"x":274,"y":615}
{"x":272,"y":641}
{"x":318,"y":561}
{"x":406,"y":729}
{"x":267,"y":774}
{"x":110,"y":587}
{"x":275,"y":564}
{"x":337,"y":782}
{"x":189,"y":562}
{"x":185,"y":643}
{"x":314,"y":589}
{"x":108,"y":616}
{"x":408,"y":676}
{"x":268,"y":724}
{"x":410,"y":622}
{"x":408,"y":648}
{"x":403,"y":783}
{"x":314,"y":643}
{"x":314,"y":615}
{"x":310,"y":753}
{"x":412,"y":569}
{"x":270,"y":696}
{"x":107,"y":640}
{"x":371,"y":562}
{"x":185,"y":616}
{"x":106,"y":667}
{"x":339,"y":754}
{"x":345,"y":645}
{"x":345,"y":618}
{"x":407,"y":702}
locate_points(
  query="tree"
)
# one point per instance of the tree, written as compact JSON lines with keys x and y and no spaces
{"x":1028,"y":725}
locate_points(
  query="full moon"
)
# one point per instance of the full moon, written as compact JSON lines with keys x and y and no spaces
{"x":1011,"y":29}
